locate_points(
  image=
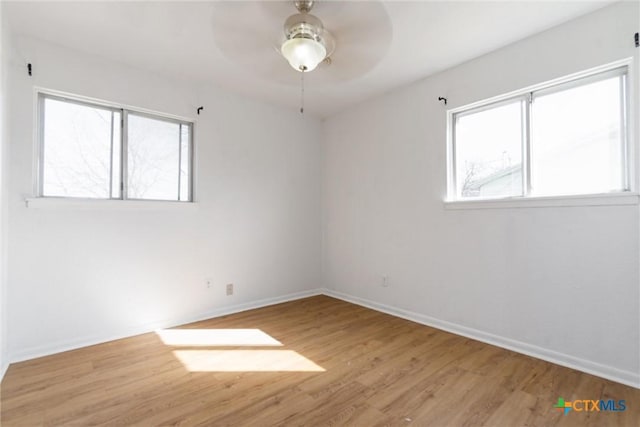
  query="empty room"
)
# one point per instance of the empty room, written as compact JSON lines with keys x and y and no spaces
{"x":319,"y":212}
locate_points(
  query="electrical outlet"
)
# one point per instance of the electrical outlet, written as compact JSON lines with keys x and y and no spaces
{"x":230,"y":289}
{"x":209,"y":283}
{"x":385,"y":281}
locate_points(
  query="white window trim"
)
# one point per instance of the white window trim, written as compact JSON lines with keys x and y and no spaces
{"x":77,"y":203}
{"x":606,"y":199}
{"x":41,"y":201}
{"x":630,"y":196}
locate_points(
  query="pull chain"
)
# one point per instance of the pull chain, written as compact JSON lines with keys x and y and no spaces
{"x":302,"y":70}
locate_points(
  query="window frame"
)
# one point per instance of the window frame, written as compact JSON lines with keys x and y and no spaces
{"x":527,"y":96}
{"x":453,"y":175}
{"x":42,"y":94}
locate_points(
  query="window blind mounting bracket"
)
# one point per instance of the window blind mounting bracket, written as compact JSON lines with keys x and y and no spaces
{"x":29,"y":69}
{"x":199,"y":109}
{"x":637,"y":39}
{"x":442,"y":99}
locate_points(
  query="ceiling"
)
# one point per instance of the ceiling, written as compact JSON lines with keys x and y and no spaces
{"x":232,"y":44}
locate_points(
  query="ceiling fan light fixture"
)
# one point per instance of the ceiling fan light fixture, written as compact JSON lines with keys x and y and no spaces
{"x":303,"y":53}
{"x":307,"y":43}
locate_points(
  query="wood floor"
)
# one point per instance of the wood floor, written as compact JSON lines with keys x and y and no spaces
{"x":338,"y":364}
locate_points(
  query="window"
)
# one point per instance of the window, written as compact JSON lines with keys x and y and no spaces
{"x":101,"y":152}
{"x":565,"y":139}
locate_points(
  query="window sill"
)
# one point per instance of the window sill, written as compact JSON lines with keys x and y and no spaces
{"x":608,"y":199}
{"x":98,"y":204}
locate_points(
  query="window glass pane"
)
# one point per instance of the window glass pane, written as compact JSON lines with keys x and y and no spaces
{"x":577,"y":140}
{"x":185,"y":156}
{"x":76,"y":150}
{"x":153,"y":158}
{"x":488,"y":154}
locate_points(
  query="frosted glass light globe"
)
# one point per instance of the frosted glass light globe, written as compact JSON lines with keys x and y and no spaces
{"x":303,"y":54}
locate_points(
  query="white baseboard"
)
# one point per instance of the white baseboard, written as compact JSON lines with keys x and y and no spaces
{"x":59,"y":347}
{"x":611,"y":373}
{"x":3,"y":370}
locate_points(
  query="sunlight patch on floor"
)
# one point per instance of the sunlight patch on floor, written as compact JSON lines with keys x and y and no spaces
{"x":216,"y":337}
{"x":245,"y":361}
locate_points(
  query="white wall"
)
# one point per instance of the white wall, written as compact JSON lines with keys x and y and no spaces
{"x":80,"y":274}
{"x":558,"y":282}
{"x":4,"y":46}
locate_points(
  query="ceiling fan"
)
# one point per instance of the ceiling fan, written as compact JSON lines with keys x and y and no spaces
{"x":265,"y":40}
{"x":307,"y":42}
